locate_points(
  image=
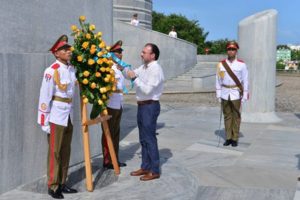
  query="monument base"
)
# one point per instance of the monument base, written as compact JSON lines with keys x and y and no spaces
{"x":269,"y":117}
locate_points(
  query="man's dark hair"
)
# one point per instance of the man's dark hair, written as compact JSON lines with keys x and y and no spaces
{"x":154,"y":49}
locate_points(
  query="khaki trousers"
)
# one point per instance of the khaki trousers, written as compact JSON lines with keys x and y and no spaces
{"x":232,"y":118}
{"x":59,"y":151}
{"x":114,"y":128}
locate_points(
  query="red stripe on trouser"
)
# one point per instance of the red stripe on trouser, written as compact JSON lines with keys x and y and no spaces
{"x":52,"y":159}
{"x":105,"y":153}
{"x":43,"y":120}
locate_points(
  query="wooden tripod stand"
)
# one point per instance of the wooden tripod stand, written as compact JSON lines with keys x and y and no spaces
{"x":86,"y":144}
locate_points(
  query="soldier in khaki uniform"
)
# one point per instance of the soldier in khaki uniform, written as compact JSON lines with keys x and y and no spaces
{"x":231,"y":90}
{"x":115,"y":109}
{"x":55,"y":115}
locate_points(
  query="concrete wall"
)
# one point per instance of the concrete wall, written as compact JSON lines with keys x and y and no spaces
{"x":177,"y":56}
{"x":28,"y":30}
{"x":124,"y":9}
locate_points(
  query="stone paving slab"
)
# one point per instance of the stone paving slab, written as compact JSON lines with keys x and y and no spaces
{"x":265,"y":165}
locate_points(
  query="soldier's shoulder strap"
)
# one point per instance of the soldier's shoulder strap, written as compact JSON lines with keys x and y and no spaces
{"x":232,"y":75}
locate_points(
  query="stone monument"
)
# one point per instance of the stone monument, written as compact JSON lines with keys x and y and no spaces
{"x":257,"y":40}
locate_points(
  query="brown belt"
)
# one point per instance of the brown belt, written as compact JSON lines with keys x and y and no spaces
{"x":146,"y":102}
{"x":61,"y":99}
{"x":118,"y":91}
{"x":229,"y":86}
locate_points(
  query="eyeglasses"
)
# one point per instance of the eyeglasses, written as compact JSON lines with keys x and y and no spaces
{"x":231,"y":49}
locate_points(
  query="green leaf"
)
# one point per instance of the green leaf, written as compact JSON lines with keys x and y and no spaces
{"x":96,"y":110}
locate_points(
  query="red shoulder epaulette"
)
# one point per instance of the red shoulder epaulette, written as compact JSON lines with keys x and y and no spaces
{"x":240,"y":60}
{"x":223,"y":60}
{"x":55,"y":66}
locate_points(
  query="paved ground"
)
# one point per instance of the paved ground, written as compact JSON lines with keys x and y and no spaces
{"x":194,"y":164}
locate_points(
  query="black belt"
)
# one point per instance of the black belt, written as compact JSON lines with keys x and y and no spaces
{"x":146,"y":102}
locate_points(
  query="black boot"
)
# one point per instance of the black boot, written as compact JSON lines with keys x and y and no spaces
{"x":56,"y":195}
{"x":227,"y":142}
{"x":68,"y":190}
{"x":234,"y":143}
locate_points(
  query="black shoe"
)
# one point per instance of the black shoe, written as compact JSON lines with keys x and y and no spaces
{"x":227,"y":142}
{"x":108,"y":166}
{"x":56,"y":195}
{"x":67,"y":190}
{"x":234,"y":143}
{"x":122,"y":164}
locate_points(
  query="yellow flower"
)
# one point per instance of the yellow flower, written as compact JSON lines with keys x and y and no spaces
{"x":85,"y":45}
{"x":82,"y":18}
{"x":99,"y":34}
{"x":91,"y":62}
{"x":85,"y":81}
{"x":104,"y":97}
{"x":112,"y":79}
{"x":100,"y":62}
{"x":72,"y":48}
{"x":93,"y":46}
{"x":98,"y":74}
{"x":74,"y":28}
{"x":88,"y":36}
{"x":112,"y":72}
{"x":92,"y":51}
{"x":102,"y":45}
{"x":100,"y":102}
{"x":85,"y":100}
{"x":108,"y":48}
{"x":103,"y":90}
{"x":104,"y":112}
{"x":99,"y":54}
{"x":93,"y":85}
{"x":79,"y":58}
{"x":106,"y":79}
{"x":108,"y":76}
{"x":114,"y":88}
{"x":86,"y":73}
{"x":102,"y":69}
{"x":92,"y":27}
{"x":107,"y":69}
{"x":108,"y":88}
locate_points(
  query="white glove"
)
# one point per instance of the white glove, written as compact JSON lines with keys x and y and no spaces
{"x":219,"y":100}
{"x":46,"y":129}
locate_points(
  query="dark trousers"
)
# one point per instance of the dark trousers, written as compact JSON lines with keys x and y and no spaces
{"x":147,"y":119}
{"x":232,"y":118}
{"x":59,"y":151}
{"x":114,"y":128}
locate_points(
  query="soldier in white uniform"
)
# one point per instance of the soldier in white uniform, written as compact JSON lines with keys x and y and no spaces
{"x":231,"y":91}
{"x":115,"y":109}
{"x":55,"y":115}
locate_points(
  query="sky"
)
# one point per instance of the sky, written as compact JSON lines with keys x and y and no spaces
{"x":220,"y":18}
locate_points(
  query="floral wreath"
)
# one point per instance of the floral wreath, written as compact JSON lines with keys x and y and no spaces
{"x":93,"y":68}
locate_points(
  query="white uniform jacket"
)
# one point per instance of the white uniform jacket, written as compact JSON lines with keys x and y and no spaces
{"x":50,"y":110}
{"x":116,"y":99}
{"x":225,"y":85}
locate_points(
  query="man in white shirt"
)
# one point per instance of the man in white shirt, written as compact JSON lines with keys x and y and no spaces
{"x":148,"y":80}
{"x":115,"y":109}
{"x":55,"y":115}
{"x":232,"y":92}
{"x":134,"y":21}
{"x":173,"y":33}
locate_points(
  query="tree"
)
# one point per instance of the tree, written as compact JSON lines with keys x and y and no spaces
{"x":295,"y":55}
{"x":217,"y":46}
{"x":189,"y":30}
